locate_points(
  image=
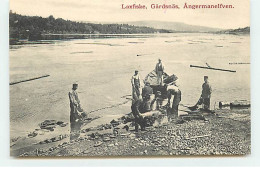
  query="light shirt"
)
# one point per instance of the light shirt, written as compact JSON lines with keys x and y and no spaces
{"x":135,"y":79}
{"x":73,"y":96}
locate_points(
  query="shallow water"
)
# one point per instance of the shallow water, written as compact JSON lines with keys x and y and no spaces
{"x":103,"y":69}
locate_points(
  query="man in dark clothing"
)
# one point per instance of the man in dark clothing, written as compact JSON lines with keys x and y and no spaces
{"x":146,"y":105}
{"x":205,"y":96}
{"x":147,"y":90}
{"x":139,"y":119}
{"x":147,"y":95}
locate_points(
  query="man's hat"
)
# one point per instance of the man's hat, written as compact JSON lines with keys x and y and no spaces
{"x":206,"y":77}
{"x":136,"y":70}
{"x":74,"y":85}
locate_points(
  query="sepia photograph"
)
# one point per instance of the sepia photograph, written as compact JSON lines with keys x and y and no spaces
{"x":124,"y":78}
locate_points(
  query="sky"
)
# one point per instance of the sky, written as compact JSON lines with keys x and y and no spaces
{"x":110,"y":11}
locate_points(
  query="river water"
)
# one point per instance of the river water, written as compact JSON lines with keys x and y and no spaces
{"x":103,"y":68}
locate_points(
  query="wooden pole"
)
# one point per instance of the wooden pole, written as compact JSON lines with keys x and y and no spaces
{"x":210,"y":68}
{"x":27,"y":80}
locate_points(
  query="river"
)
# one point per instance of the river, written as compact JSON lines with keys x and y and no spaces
{"x":103,"y":68}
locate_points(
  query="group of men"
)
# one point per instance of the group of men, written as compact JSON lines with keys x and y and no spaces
{"x":145,"y":99}
{"x":136,"y":81}
{"x":144,"y":102}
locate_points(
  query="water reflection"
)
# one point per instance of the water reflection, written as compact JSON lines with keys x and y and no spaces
{"x":75,"y":129}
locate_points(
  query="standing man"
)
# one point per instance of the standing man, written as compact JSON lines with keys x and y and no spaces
{"x":136,"y":85}
{"x":205,"y":96}
{"x":74,"y":103}
{"x":159,"y":69}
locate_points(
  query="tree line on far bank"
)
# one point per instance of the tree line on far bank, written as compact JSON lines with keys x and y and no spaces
{"x":34,"y":27}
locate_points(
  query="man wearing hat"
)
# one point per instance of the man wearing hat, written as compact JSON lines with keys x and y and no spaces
{"x":205,"y":96}
{"x":159,"y":69}
{"x":74,"y":103}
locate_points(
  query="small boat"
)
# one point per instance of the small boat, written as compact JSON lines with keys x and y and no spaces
{"x":152,"y":79}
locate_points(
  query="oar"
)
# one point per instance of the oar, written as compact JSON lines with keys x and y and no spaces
{"x":210,"y":68}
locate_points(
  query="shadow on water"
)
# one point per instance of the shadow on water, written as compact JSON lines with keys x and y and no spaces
{"x":75,"y":130}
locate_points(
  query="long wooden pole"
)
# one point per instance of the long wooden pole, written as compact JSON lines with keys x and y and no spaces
{"x":27,"y":80}
{"x":210,"y":68}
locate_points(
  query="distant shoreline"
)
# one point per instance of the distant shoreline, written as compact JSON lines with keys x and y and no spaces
{"x":35,"y":28}
{"x":50,"y":38}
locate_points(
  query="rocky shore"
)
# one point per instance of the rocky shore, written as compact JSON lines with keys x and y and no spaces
{"x":226,"y":132}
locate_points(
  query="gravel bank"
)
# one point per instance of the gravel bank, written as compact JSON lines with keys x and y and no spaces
{"x":225,"y":133}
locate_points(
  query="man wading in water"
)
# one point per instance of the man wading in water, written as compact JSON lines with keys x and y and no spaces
{"x":76,"y":113}
{"x":74,"y":103}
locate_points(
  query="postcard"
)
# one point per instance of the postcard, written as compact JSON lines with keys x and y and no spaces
{"x":128,"y":78}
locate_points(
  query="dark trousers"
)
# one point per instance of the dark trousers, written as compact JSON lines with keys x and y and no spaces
{"x":173,"y":112}
{"x":175,"y":109}
{"x":175,"y":104}
{"x":73,"y":113}
{"x":137,"y":90}
{"x":139,"y":120}
{"x":205,"y":102}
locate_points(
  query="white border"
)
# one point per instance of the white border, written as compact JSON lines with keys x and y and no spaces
{"x":251,"y":160}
